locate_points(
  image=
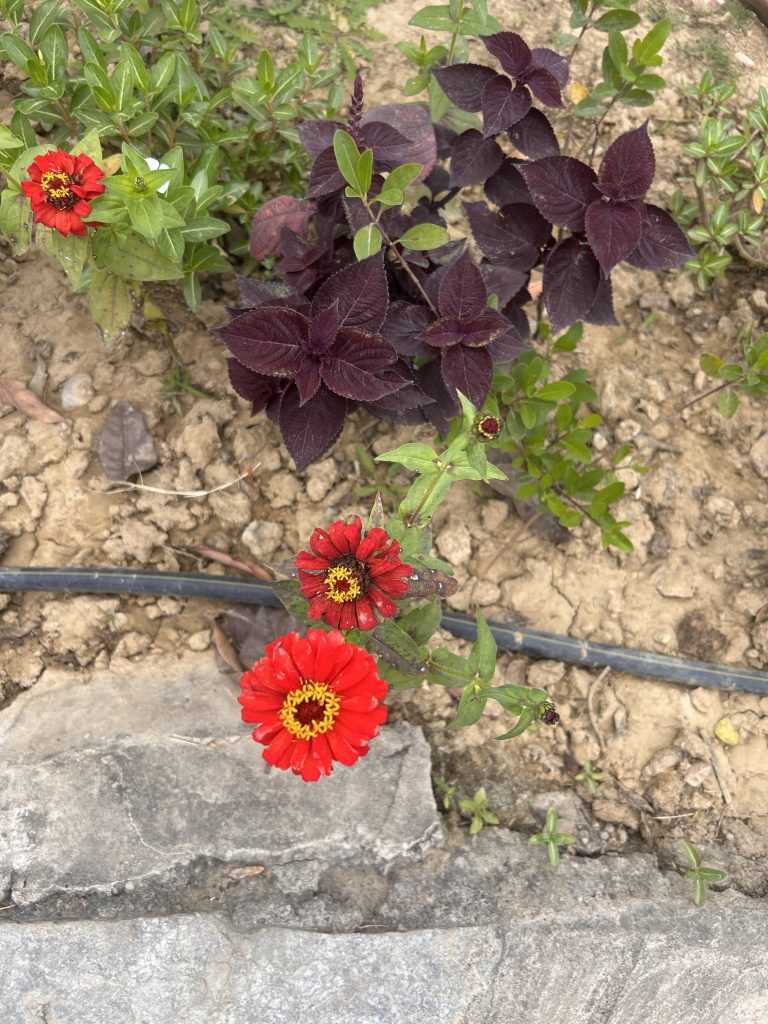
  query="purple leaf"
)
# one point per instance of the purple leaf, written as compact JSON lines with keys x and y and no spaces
{"x":629,"y":164}
{"x":445,"y":138}
{"x":257,"y":293}
{"x":352,"y":367}
{"x":463,"y":84}
{"x":382,"y":138}
{"x":511,"y":50}
{"x":323,"y":328}
{"x":266,"y":339}
{"x":361,"y":292}
{"x":662,"y":244}
{"x":325,"y":176}
{"x":269,"y":219}
{"x":570,"y":282}
{"x":544,"y":87}
{"x":507,"y":185}
{"x":555,"y":63}
{"x":445,"y":332}
{"x":256,"y":387}
{"x":403,"y":327}
{"x":474,"y":159}
{"x":534,"y":136}
{"x":503,"y":106}
{"x":561,"y":188}
{"x":413,"y":122}
{"x":316,"y":136}
{"x":613,"y":231}
{"x":503,"y":280}
{"x":309,"y":430}
{"x":517,"y":229}
{"x":439,"y":180}
{"x":444,"y":404}
{"x":601,"y":311}
{"x":308,"y":379}
{"x":478,"y":330}
{"x":408,"y":395}
{"x":462,"y":290}
{"x":469,"y":370}
{"x":506,"y":346}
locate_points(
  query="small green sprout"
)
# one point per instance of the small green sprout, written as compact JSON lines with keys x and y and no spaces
{"x":179,"y":383}
{"x":590,"y":777}
{"x":552,"y":838}
{"x":699,"y":874}
{"x":447,"y":792}
{"x":477,"y":807}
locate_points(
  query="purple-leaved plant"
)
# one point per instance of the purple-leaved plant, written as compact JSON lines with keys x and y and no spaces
{"x":403,"y":329}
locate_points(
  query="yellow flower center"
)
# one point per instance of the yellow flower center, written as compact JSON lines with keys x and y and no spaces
{"x":51,"y":179}
{"x":342,"y":584}
{"x":311,"y":710}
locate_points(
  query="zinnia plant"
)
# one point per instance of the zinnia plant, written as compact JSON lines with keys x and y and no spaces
{"x":60,"y":186}
{"x":317,"y":699}
{"x":347,"y":575}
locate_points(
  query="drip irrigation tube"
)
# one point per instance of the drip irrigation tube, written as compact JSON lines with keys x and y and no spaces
{"x":532,"y":642}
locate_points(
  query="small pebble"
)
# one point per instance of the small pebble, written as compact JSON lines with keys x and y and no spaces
{"x":76,"y":392}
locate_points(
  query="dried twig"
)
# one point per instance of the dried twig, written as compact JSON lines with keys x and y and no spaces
{"x":590,"y":708}
{"x":726,"y":793}
{"x":128,"y":486}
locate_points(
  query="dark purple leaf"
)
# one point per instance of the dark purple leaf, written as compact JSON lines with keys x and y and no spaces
{"x":469,"y":370}
{"x":125,"y":445}
{"x":282,"y":211}
{"x":309,"y":430}
{"x":510,"y":50}
{"x":517,"y":229}
{"x":462,"y":290}
{"x":463,"y":84}
{"x":413,"y":122}
{"x":250,"y":628}
{"x":323,"y":328}
{"x":514,"y":312}
{"x":445,"y":138}
{"x":408,"y":395}
{"x":403,"y":327}
{"x":317,"y":136}
{"x":256,"y":293}
{"x":503,"y":106}
{"x":544,"y":86}
{"x":266,"y":339}
{"x":352,"y":368}
{"x":662,"y":244}
{"x":535,"y":137}
{"x":570,"y":283}
{"x":561,"y":188}
{"x":308,"y":379}
{"x":507,"y":184}
{"x":601,"y":311}
{"x":503,"y":280}
{"x":361,"y":292}
{"x":613,"y":231}
{"x":256,"y":387}
{"x":629,"y":164}
{"x":506,"y":346}
{"x":325,"y":176}
{"x":555,"y":63}
{"x":444,"y":404}
{"x":478,"y":330}
{"x":382,"y":138}
{"x":474,"y":159}
{"x":439,"y":180}
{"x":445,"y":332}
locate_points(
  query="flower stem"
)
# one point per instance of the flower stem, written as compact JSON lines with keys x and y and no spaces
{"x":403,"y":263}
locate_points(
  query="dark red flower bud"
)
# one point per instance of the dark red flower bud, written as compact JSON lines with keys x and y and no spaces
{"x":487,"y":428}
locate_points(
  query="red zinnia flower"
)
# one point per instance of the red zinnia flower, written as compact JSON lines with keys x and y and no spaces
{"x":317,"y":700}
{"x":60,"y":185}
{"x":346,"y":574}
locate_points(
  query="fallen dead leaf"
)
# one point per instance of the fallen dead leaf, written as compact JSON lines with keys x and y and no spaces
{"x":215,"y":555}
{"x":16,"y":393}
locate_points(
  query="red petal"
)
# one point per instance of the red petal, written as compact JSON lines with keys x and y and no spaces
{"x":306,"y":560}
{"x":365,"y":617}
{"x":310,"y":771}
{"x":345,"y":537}
{"x":278,"y":746}
{"x":299,"y":755}
{"x":311,"y":586}
{"x":321,"y":754}
{"x":387,"y":607}
{"x":348,"y":616}
{"x":322,"y":545}
{"x":342,"y":750}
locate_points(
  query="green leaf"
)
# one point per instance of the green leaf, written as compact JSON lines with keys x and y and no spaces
{"x":162,"y":73}
{"x":469,"y":710}
{"x":520,"y":725}
{"x":16,"y":220}
{"x":692,"y":853}
{"x":123,"y":84}
{"x":617,"y":48}
{"x":435,"y":17}
{"x":348,"y":157}
{"x":618,"y":20}
{"x":424,"y":236}
{"x":483,"y":651}
{"x":424,"y":494}
{"x":71,"y":251}
{"x":41,"y":19}
{"x":90,"y":144}
{"x":133,"y":258}
{"x":54,"y":49}
{"x":727,"y":403}
{"x":421,"y":622}
{"x":730,"y":372}
{"x":367,"y":241}
{"x":644,"y":50}
{"x":403,"y":176}
{"x":110,"y":303}
{"x":17,"y":50}
{"x":365,"y":170}
{"x":447,"y":669}
{"x":389,"y":197}
{"x":556,"y":391}
{"x":391,"y":641}
{"x":421,"y":457}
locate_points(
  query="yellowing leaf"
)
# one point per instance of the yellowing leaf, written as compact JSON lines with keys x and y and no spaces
{"x":111,"y":165}
{"x":758,"y":201}
{"x":577,"y":92}
{"x":727,"y":732}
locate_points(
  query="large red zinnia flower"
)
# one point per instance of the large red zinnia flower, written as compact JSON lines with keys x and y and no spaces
{"x":60,"y":185}
{"x":317,"y":700}
{"x":347,"y":574}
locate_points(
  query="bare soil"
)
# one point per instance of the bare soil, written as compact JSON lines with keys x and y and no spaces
{"x":695,"y":585}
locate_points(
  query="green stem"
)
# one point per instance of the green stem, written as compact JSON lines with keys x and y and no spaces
{"x":403,"y":263}
{"x":412,"y":518}
{"x":454,"y":36}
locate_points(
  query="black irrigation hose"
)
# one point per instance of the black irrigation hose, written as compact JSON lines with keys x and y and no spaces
{"x":512,"y":638}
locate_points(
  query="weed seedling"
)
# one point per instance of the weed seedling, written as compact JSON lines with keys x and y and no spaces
{"x":552,"y":838}
{"x":477,"y":809}
{"x":699,"y":874}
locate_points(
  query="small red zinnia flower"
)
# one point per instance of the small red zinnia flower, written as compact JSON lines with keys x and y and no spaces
{"x":60,"y":185}
{"x":317,"y":700}
{"x":347,"y":574}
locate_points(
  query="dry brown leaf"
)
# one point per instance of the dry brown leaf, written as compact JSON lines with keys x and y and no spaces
{"x":226,"y":649}
{"x":15,"y":392}
{"x":215,"y":555}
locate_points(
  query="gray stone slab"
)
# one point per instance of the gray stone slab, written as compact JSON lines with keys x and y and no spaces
{"x":123,"y":782}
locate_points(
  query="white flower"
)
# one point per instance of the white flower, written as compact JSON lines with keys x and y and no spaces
{"x":155,"y":165}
